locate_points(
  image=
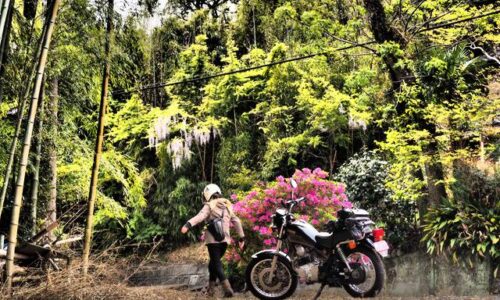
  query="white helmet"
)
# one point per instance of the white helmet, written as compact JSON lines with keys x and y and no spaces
{"x":210,"y":190}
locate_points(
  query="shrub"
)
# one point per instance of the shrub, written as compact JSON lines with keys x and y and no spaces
{"x":323,"y":199}
{"x":365,"y":175}
{"x":469,"y":223}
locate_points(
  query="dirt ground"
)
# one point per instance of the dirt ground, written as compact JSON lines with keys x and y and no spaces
{"x":304,"y":294}
{"x":109,"y":276}
{"x":96,"y":290}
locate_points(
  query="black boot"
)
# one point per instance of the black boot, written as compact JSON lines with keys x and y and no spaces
{"x":211,"y":289}
{"x":228,"y":290}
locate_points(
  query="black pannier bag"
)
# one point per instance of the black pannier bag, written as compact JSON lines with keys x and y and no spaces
{"x":216,"y":227}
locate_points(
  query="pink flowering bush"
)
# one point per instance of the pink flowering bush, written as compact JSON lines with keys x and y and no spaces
{"x":323,"y":199}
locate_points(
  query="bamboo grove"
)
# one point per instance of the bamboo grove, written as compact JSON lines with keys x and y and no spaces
{"x":111,"y":127}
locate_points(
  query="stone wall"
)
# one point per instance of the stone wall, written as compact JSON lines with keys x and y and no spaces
{"x":193,"y":276}
{"x":410,"y":275}
{"x":419,"y":274}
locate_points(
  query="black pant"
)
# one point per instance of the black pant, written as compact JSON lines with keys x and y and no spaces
{"x":216,"y":252}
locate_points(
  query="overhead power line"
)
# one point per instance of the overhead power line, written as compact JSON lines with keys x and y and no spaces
{"x":199,"y":78}
{"x":453,"y":22}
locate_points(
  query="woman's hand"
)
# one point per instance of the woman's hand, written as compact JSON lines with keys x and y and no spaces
{"x":241,"y":244}
{"x":184,"y":230}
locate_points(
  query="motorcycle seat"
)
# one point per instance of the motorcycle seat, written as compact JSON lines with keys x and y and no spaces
{"x":324,"y":239}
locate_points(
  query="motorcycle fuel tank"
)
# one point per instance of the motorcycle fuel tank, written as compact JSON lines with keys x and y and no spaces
{"x":302,"y":232}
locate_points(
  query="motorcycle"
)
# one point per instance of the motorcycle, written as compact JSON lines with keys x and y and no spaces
{"x":349,"y":255}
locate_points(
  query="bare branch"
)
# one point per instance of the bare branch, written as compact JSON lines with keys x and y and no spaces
{"x":488,"y":56}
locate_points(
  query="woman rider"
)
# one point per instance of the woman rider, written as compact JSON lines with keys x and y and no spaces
{"x":217,"y":207}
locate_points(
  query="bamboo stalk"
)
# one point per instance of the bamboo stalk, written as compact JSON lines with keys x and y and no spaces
{"x":52,"y":204}
{"x":36,"y":173}
{"x":69,"y":240}
{"x":6,"y":31}
{"x":20,"y":116}
{"x":99,"y":140}
{"x":4,"y":46}
{"x":3,"y":16}
{"x":18,"y":195}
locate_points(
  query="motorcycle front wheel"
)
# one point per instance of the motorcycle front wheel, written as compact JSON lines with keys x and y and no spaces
{"x":370,"y":264}
{"x":280,"y":285}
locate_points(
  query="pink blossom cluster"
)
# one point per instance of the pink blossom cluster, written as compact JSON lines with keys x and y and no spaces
{"x":323,"y":199}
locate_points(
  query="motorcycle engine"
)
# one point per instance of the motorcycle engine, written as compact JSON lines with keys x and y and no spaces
{"x":307,"y":265}
{"x":308,"y":273}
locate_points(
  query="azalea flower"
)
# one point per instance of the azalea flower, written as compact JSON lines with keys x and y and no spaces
{"x":323,"y":199}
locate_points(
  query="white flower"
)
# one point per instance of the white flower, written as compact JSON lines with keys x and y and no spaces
{"x":356,"y":124}
{"x":201,"y":136}
{"x":188,"y":140}
{"x":152,"y":141}
{"x":162,"y":127}
{"x":175,"y":146}
{"x":341,"y":109}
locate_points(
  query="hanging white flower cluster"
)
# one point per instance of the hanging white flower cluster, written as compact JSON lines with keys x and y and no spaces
{"x":179,"y":148}
{"x":356,"y":124}
{"x":179,"y":151}
{"x":341,"y":109}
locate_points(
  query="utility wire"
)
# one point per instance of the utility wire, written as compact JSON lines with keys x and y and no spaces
{"x":199,"y":78}
{"x":449,"y":23}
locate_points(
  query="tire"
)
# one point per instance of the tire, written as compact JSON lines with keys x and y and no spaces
{"x":378,"y":265}
{"x":283,"y":263}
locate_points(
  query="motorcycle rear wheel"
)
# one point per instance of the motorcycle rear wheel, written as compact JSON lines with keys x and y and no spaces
{"x":285,"y":278}
{"x":371,"y":258}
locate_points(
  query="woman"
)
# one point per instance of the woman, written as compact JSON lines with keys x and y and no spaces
{"x":217,"y":207}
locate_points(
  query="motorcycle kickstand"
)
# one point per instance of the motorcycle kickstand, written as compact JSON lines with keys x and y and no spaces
{"x":319,"y":291}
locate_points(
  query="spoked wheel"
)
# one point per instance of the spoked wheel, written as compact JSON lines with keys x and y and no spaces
{"x":368,"y":273}
{"x":264,"y":283}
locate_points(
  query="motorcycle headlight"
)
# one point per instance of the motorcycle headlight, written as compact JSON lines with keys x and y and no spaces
{"x":277,"y":220}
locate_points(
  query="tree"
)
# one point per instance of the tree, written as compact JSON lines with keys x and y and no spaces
{"x":5,"y":10}
{"x":18,"y":195}
{"x":99,"y":140}
{"x":20,"y":115}
{"x":53,"y":110}
{"x":401,"y":74}
{"x":185,"y":7}
{"x":416,"y":96}
{"x":36,"y":172}
{"x":4,"y":40}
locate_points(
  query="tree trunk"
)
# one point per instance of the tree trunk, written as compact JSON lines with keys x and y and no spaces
{"x":435,"y":175}
{"x":18,"y":195}
{"x":3,"y":17}
{"x":100,"y":137}
{"x":6,"y":32}
{"x":20,"y":116}
{"x":36,"y":173}
{"x":4,"y":46}
{"x":52,"y":204}
{"x":435,"y":185}
{"x":382,"y":33}
{"x":341,"y":12}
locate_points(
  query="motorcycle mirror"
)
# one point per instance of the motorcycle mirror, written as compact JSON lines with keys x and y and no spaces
{"x":293,"y":183}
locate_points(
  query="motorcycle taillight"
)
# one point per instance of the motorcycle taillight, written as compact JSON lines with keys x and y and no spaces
{"x":378,"y":234}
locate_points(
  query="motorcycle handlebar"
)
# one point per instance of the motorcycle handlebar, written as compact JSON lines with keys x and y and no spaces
{"x":292,"y":203}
